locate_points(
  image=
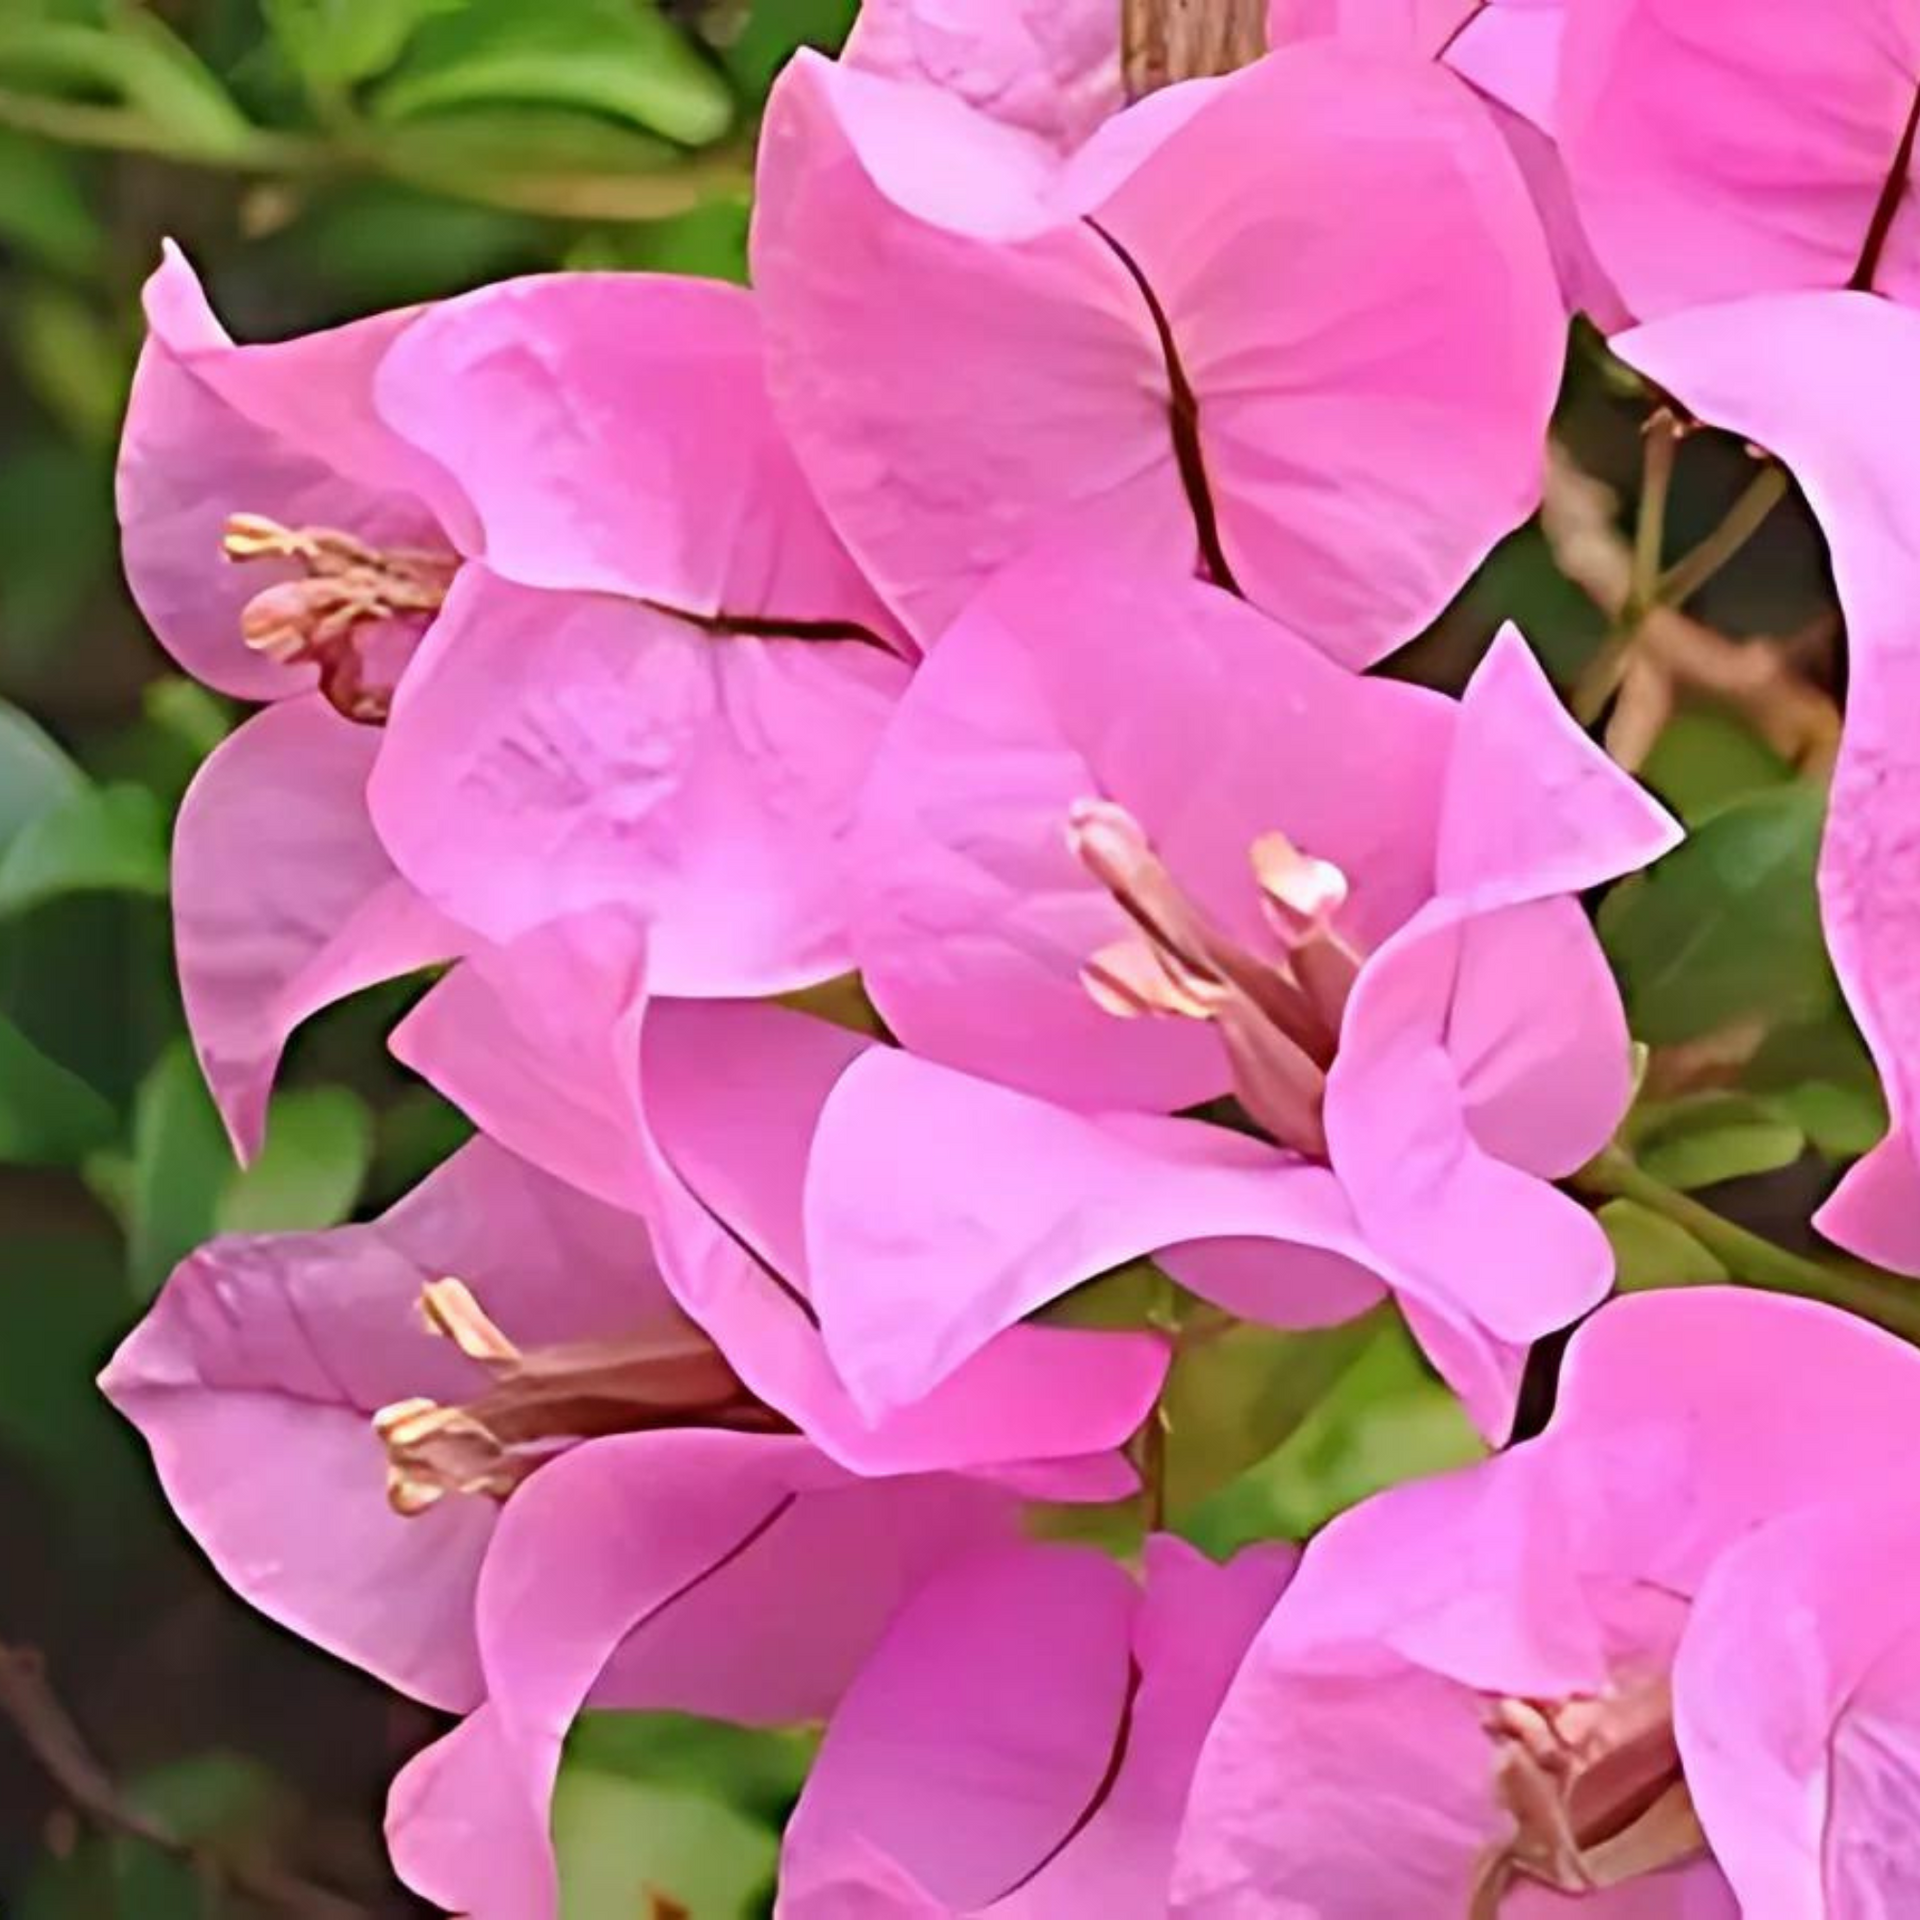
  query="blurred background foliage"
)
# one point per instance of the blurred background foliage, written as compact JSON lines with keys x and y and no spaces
{"x":171,"y":1755}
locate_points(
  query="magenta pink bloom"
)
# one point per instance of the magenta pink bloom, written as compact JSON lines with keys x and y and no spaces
{"x":1130,"y":849}
{"x":1831,"y":383}
{"x":1654,"y":1659}
{"x":1021,"y":1741}
{"x":701,"y":1117}
{"x":342,"y":1418}
{"x":662,"y":685}
{"x":1051,"y":67}
{"x":1177,"y":336}
{"x":1727,"y":147}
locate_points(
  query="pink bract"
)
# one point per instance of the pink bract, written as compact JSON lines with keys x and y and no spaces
{"x":1021,"y":1741}
{"x":1018,"y":1145}
{"x":1602,"y":1590}
{"x":1727,"y":147}
{"x":973,"y":342}
{"x":1828,"y":382}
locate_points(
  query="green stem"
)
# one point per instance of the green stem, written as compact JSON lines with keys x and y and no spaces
{"x":1744,"y":519}
{"x":1752,"y":1259}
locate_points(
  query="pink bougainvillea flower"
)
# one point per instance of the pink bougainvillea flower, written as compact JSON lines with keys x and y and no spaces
{"x":1720,"y":147}
{"x":1831,"y":383}
{"x":740,"y":1576}
{"x":1176,"y":336}
{"x":548,"y":1045}
{"x":283,"y":898}
{"x":1352,"y":914}
{"x":1049,"y":66}
{"x":1021,"y":1741}
{"x":339,"y":538}
{"x":663,"y":684}
{"x":1547,"y":1675}
{"x":1509,"y":51}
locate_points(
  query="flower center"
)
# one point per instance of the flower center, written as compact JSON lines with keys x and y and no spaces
{"x":1595,"y":1790}
{"x":345,"y":586}
{"x":546,"y":1399}
{"x":1278,"y":1017}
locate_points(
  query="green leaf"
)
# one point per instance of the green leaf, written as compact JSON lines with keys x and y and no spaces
{"x":137,"y":59}
{"x":624,"y":1844}
{"x":758,"y":1771}
{"x":1727,"y":926}
{"x":607,"y":56}
{"x":1710,"y":1137}
{"x":1387,"y":1419}
{"x":111,"y":1877}
{"x":56,"y":547}
{"x":339,"y":43}
{"x":1651,"y":1251}
{"x":1841,"y":1119}
{"x":49,"y":1116}
{"x":1706,"y":758}
{"x":76,"y":362}
{"x":99,"y":840}
{"x":710,"y":241}
{"x":310,"y":1169}
{"x":182,"y":1165}
{"x":775,"y":30}
{"x":43,"y":212}
{"x":35,"y":775}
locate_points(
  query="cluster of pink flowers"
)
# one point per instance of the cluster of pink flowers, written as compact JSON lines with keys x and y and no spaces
{"x":982,"y":605}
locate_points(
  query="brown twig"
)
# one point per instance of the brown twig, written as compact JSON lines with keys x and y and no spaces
{"x":1676,"y":654}
{"x":1169,"y":40}
{"x":28,"y":1701}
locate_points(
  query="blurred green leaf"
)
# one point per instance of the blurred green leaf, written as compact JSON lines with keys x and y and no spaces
{"x":36,"y":775}
{"x":56,"y":543}
{"x":710,"y":241}
{"x":1707,"y":757}
{"x":1709,"y":1137}
{"x":1651,"y":1251}
{"x":1385,"y":1420}
{"x":111,"y":1878}
{"x":43,"y":211}
{"x":49,"y":1116}
{"x":101,"y":839}
{"x":758,"y":1771}
{"x":1820,"y":1074}
{"x":775,"y":30}
{"x":1727,"y":926}
{"x":310,"y":1169}
{"x":1841,"y":1119}
{"x":623,"y":1843}
{"x":210,"y":1797}
{"x":139,"y":61}
{"x":608,"y":56}
{"x":339,"y":43}
{"x":77,"y":364}
{"x":182,"y":1164}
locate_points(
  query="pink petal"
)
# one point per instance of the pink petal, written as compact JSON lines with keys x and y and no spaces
{"x":1533,"y":807}
{"x":915,"y":1270}
{"x":1072,"y":677}
{"x":936,"y":1759}
{"x":284,"y":900}
{"x":1288,"y":317}
{"x":256,"y":1375}
{"x":1794,"y":1703}
{"x":1753,"y":1404}
{"x":614,"y":433}
{"x":1720,"y":148}
{"x":552,"y":753}
{"x":286,"y":431}
{"x":541,"y":1043}
{"x":1051,"y":68}
{"x":718,"y":1573}
{"x":1848,"y":437}
{"x":1511,"y":52}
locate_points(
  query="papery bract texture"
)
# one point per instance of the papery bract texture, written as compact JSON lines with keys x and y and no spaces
{"x":973,"y":343}
{"x":1466,"y":1044}
{"x":1020,"y":1742}
{"x":662,"y":688}
{"x":737,"y":1576}
{"x":1829,"y":383}
{"x":1050,"y":66}
{"x":1727,"y":147}
{"x":1384,"y":1734}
